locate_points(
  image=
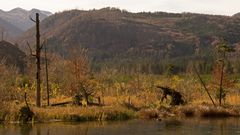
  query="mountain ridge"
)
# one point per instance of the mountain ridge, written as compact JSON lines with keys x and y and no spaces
{"x":8,"y":29}
{"x":236,"y":15}
{"x":12,"y":56}
{"x":117,"y":36}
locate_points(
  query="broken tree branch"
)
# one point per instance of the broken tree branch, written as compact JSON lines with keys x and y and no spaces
{"x":32,"y":19}
{"x":42,"y":45}
{"x":30,"y":49}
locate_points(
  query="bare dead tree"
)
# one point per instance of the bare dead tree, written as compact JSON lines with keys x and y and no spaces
{"x":2,"y":35}
{"x":2,"y":32}
{"x":37,"y":54}
{"x":46,"y":71}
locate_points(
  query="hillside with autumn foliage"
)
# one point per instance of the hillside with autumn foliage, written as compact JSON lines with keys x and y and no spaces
{"x":119,"y":38}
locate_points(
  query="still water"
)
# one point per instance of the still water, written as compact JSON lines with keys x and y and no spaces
{"x":133,"y":127}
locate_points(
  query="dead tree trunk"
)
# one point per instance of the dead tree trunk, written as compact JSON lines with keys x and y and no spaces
{"x":38,"y":59}
{"x":25,"y":99}
{"x":46,"y":70}
{"x":2,"y":34}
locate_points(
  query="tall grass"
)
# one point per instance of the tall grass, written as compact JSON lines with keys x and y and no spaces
{"x":73,"y":113}
{"x":145,"y":97}
{"x":207,"y":111}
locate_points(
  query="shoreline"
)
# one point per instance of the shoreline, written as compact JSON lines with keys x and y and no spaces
{"x":109,"y":113}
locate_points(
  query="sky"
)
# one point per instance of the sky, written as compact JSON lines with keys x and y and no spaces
{"x":220,"y":7}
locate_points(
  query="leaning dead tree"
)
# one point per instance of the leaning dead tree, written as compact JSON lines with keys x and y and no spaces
{"x":37,"y":55}
{"x":204,"y":85}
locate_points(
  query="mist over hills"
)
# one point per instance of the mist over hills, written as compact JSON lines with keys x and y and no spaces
{"x":9,"y":29}
{"x":16,"y":21}
{"x":12,"y":24}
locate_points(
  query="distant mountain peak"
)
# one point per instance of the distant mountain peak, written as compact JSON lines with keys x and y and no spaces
{"x":34,"y":10}
{"x":17,"y":20}
{"x":17,"y":8}
{"x":19,"y":17}
{"x":24,"y":11}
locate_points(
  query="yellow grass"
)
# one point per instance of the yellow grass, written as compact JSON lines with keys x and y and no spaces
{"x":76,"y":113}
{"x":207,"y":111}
{"x":233,"y":99}
{"x":230,"y":100}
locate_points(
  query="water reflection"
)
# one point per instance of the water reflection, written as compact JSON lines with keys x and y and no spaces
{"x":25,"y":129}
{"x":134,"y":127}
{"x":173,"y":124}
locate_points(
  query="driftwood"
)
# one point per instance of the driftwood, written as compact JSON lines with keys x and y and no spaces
{"x":71,"y":102}
{"x":77,"y":100}
{"x":62,"y":103}
{"x":176,"y":96}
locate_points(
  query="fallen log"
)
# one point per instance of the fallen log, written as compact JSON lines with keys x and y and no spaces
{"x":62,"y":103}
{"x":71,"y":102}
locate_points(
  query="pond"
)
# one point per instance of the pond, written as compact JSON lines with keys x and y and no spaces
{"x":132,"y":127}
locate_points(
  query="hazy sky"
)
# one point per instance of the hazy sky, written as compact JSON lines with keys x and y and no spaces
{"x":224,"y":7}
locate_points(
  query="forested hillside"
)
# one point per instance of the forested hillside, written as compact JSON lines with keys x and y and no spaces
{"x":153,"y":41}
{"x":11,"y":56}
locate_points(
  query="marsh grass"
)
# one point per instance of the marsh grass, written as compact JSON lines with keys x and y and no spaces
{"x":9,"y":112}
{"x":146,"y":100}
{"x":233,"y":99}
{"x":73,"y":113}
{"x":207,"y":111}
